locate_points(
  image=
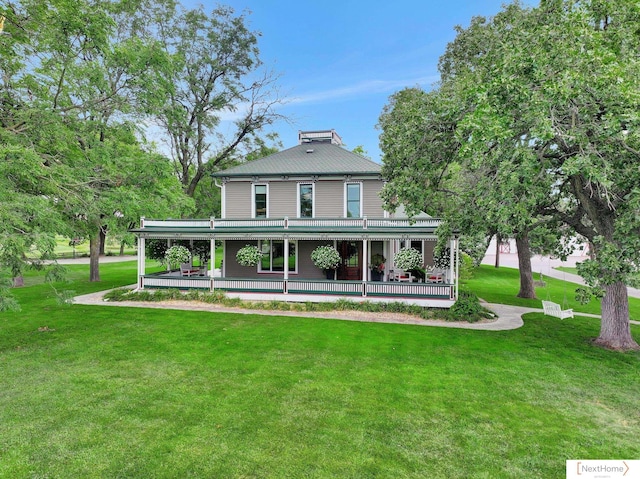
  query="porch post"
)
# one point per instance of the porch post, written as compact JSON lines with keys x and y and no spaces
{"x":286,"y":264}
{"x":212,"y":261}
{"x":365,"y":266}
{"x":452,"y":246}
{"x":457,"y":268}
{"x":141,"y":262}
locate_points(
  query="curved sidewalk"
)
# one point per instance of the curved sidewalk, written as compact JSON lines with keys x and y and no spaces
{"x":508,"y":317}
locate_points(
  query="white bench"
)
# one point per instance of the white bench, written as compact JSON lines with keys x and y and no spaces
{"x":553,"y":309}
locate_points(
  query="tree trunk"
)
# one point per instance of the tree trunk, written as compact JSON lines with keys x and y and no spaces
{"x":94,"y":256}
{"x":18,"y":281}
{"x":122,"y":245}
{"x":615,"y":332}
{"x":103,"y":239}
{"x":498,"y":240}
{"x":524,"y":265}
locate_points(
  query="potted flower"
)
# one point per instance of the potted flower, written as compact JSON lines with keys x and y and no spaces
{"x":326,"y":258}
{"x":177,"y":255}
{"x":377,"y":266}
{"x":409,"y":259}
{"x":249,"y":255}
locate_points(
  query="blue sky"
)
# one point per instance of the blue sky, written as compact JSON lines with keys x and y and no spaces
{"x":341,"y":60}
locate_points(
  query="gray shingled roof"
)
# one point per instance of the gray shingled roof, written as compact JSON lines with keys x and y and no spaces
{"x":324,"y":159}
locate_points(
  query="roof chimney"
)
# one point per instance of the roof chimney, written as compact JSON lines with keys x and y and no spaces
{"x":320,"y":136}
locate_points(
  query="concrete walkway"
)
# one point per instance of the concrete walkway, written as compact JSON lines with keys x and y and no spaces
{"x":508,"y":317}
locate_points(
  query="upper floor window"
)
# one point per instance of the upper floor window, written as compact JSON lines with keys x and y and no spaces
{"x":305,"y":200}
{"x":260,"y":201}
{"x":353,"y":197}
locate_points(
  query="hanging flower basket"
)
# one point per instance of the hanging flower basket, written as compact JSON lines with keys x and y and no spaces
{"x":177,"y":255}
{"x":325,"y":257}
{"x":248,"y":255}
{"x":408,"y":259}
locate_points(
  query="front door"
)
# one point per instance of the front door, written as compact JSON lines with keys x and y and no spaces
{"x":350,"y":268}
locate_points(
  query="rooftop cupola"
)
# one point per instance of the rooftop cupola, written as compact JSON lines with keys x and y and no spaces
{"x":320,"y":136}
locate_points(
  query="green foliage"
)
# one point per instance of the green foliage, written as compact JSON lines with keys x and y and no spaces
{"x":7,"y":300}
{"x":325,"y":257}
{"x":202,"y":249}
{"x":468,"y":307}
{"x":466,"y":268}
{"x":408,"y":259}
{"x":156,"y":249}
{"x":249,"y":255}
{"x":442,"y":258}
{"x":377,"y":262}
{"x":536,"y":121}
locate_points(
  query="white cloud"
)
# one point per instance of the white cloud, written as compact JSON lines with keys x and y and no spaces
{"x":363,"y":88}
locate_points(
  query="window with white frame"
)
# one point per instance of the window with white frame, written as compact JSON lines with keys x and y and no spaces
{"x":353,"y":200}
{"x":260,"y":201}
{"x":273,"y":256}
{"x":306,"y":200}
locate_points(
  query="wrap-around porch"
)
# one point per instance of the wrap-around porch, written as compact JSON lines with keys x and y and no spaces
{"x":297,"y":283}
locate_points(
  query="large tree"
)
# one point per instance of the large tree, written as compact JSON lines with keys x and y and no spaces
{"x":74,"y":76}
{"x":549,"y":97}
{"x":211,"y":72}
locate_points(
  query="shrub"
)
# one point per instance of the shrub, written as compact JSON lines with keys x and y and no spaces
{"x":468,"y":308}
{"x":155,"y":249}
{"x":325,"y":257}
{"x":466,"y":266}
{"x":408,"y":259}
{"x":248,"y":255}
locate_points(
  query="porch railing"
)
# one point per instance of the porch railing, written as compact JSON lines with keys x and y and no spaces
{"x":389,"y":289}
{"x":196,"y":282}
{"x":286,"y":223}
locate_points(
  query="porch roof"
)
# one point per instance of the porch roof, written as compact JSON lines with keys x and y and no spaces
{"x":320,"y":229}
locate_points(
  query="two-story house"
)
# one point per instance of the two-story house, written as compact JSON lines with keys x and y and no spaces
{"x":289,"y":203}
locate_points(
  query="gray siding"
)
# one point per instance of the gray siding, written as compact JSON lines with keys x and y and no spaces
{"x":329,"y":199}
{"x":306,"y":268}
{"x":238,"y":199}
{"x":429,"y":246}
{"x":370,"y":196}
{"x":283,"y":197}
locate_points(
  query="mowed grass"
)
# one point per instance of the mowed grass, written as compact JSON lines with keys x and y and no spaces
{"x":500,"y":285}
{"x":127,"y":392}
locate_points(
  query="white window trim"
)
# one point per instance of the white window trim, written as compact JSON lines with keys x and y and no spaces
{"x":313,"y":198}
{"x":295,"y":271}
{"x":253,"y":198}
{"x":346,"y":198}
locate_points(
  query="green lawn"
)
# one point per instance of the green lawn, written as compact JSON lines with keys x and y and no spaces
{"x":501,"y":286}
{"x":116,"y":392}
{"x":567,"y":269}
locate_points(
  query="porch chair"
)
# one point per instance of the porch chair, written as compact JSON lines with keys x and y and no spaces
{"x":187,"y":269}
{"x":399,"y":275}
{"x":434,"y":276}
